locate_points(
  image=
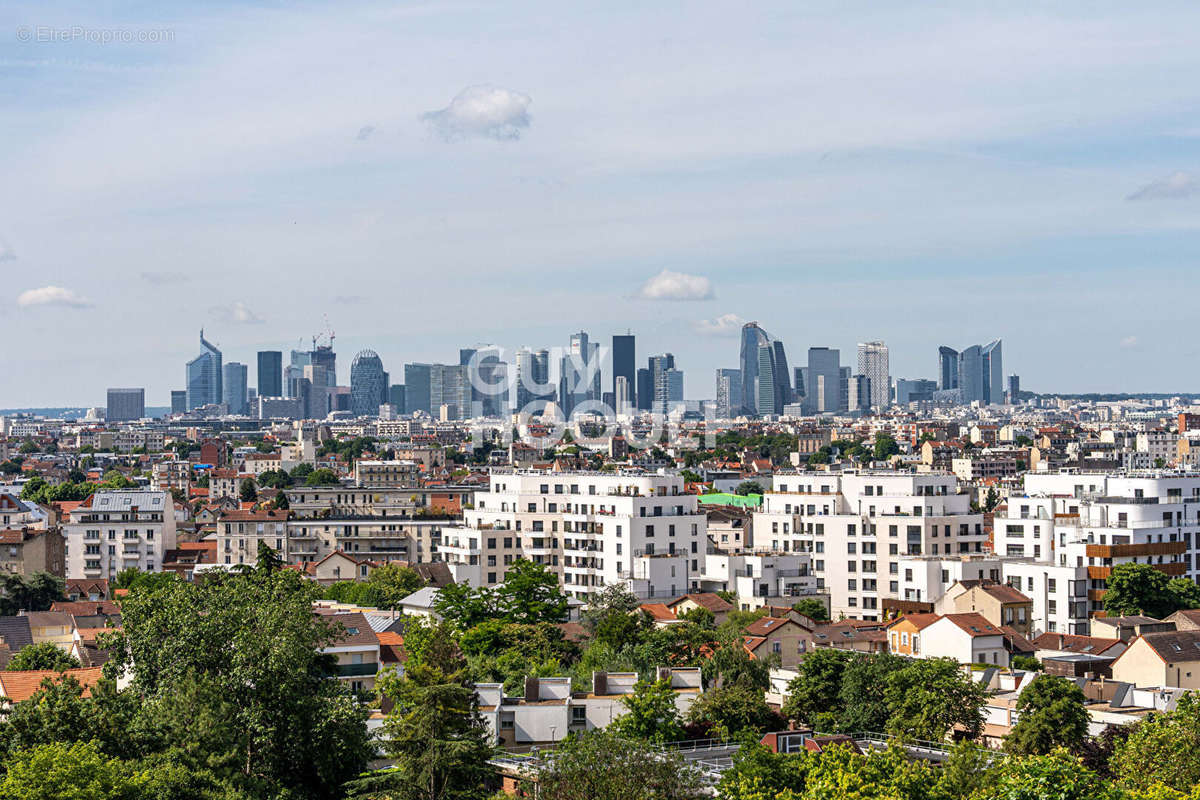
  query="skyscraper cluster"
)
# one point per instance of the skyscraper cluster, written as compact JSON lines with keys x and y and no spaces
{"x":488,"y":382}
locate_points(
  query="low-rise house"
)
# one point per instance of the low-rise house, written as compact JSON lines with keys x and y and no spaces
{"x":1062,"y":644}
{"x":422,"y":602}
{"x":904,"y":635}
{"x":549,"y":710}
{"x":998,"y":603}
{"x":967,"y":638}
{"x":86,"y":589}
{"x":1187,"y":619}
{"x":859,"y":636}
{"x":1128,"y":628}
{"x":340,"y":566}
{"x":55,"y":627}
{"x":707,"y":600}
{"x":1169,"y":658}
{"x":21,"y":685}
{"x":659,"y":614}
{"x":24,"y":551}
{"x":356,"y":649}
{"x":788,"y":638}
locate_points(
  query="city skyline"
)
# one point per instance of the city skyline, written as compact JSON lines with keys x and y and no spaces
{"x":700,"y":176}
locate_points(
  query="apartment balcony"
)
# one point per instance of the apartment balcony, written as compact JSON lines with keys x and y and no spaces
{"x":1129,"y":550}
{"x":357,"y":670}
{"x":1174,"y":568}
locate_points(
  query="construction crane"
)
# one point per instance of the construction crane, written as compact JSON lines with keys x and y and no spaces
{"x":328,"y":332}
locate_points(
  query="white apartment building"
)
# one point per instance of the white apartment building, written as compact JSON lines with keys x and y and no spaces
{"x":1159,"y":444}
{"x":759,"y":577}
{"x":858,"y":525}
{"x":593,"y":529}
{"x":1063,"y":537}
{"x":116,"y":529}
{"x":924,"y":579}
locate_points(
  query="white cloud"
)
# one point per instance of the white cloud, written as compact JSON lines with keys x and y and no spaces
{"x":724,"y":325}
{"x":236,"y":313}
{"x":1176,"y":185}
{"x":1129,"y":341}
{"x":52,"y":296}
{"x":668,"y":285}
{"x":6,"y":251}
{"x":484,"y":111}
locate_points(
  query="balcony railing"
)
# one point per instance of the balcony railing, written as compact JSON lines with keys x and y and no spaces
{"x":357,"y":670}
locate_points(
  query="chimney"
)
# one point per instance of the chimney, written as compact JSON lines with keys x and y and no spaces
{"x":531,"y":689}
{"x":599,"y":683}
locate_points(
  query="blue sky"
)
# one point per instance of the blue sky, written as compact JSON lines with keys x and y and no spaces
{"x":431,"y":176}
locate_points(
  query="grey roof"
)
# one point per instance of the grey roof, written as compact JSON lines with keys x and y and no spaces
{"x":15,"y":631}
{"x":425,"y":597}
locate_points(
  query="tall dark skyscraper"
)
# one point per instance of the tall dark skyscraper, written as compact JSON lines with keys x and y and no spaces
{"x":624,"y":362}
{"x":204,"y":378}
{"x":947,"y":368}
{"x":126,"y":404}
{"x":270,"y":373}
{"x":417,"y":387}
{"x":645,"y":389}
{"x":368,"y":384}
{"x":769,"y":393}
{"x":489,"y":379}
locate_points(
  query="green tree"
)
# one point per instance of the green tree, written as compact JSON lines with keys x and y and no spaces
{"x":1051,"y":714}
{"x":651,"y":716}
{"x":433,"y":734}
{"x":61,"y":771}
{"x":812,"y":608}
{"x":748,"y":488}
{"x":33,"y":593}
{"x":885,"y":447}
{"x":864,"y":707}
{"x":1163,"y":748}
{"x":969,"y":769}
{"x":735,"y":709}
{"x":465,"y":606}
{"x":43,"y":655}
{"x":530,"y":593}
{"x":928,"y":697}
{"x":246,"y":491}
{"x":599,"y":765}
{"x":1056,"y":776}
{"x":759,"y":774}
{"x":1028,"y":663}
{"x":814,"y":695}
{"x":321,"y":477}
{"x":1140,"y":589}
{"x":1185,"y":592}
{"x":232,"y":676}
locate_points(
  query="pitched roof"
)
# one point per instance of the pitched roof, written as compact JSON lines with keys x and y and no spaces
{"x":86,"y":608}
{"x":1071,"y":643}
{"x":974,"y":624}
{"x":1016,"y":642}
{"x":391,"y":647}
{"x":1001,"y":591}
{"x":659,"y":612}
{"x":15,"y":632}
{"x":710,"y":600}
{"x":1174,"y":646}
{"x":765,"y":626}
{"x":919,"y":621}
{"x":357,"y":629}
{"x":22,"y":685}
